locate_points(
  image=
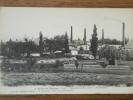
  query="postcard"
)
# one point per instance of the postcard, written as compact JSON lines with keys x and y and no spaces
{"x":66,"y":50}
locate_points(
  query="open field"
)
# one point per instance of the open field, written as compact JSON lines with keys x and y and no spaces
{"x":120,"y":75}
{"x":67,"y":78}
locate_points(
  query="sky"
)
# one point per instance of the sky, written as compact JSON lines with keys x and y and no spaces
{"x":16,"y":22}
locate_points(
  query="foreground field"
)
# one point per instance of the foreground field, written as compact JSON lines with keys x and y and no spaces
{"x":88,"y":75}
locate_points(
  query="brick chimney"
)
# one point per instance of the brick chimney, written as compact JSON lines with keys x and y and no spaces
{"x":71,"y":34}
{"x":84,"y":36}
{"x":123,"y":36}
{"x":102,"y":36}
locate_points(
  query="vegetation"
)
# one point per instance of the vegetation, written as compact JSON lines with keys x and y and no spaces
{"x":58,"y":64}
{"x":111,"y":53}
{"x":59,"y":37}
{"x":41,"y":44}
{"x":54,"y":44}
{"x":66,"y":44}
{"x":81,"y":48}
{"x":94,"y":42}
{"x":103,"y":65}
{"x":71,"y":76}
{"x":87,"y":72}
{"x":31,"y":62}
{"x":16,"y":49}
{"x":112,"y":41}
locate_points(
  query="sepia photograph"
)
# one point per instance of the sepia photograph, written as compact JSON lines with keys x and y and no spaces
{"x":66,"y":50}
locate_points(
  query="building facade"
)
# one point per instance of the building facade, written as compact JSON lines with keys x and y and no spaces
{"x":129,"y":49}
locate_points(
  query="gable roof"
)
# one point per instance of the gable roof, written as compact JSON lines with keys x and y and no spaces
{"x":36,"y":41}
{"x":129,"y":45}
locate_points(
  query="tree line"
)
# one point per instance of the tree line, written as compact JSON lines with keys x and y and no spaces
{"x":112,"y":41}
{"x":17,"y":48}
{"x":58,"y":42}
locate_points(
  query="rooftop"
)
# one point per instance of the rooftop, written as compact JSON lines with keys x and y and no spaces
{"x":129,"y":45}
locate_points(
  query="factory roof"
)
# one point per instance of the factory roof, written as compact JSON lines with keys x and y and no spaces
{"x":36,"y":41}
{"x":129,"y":45}
{"x":35,"y":54}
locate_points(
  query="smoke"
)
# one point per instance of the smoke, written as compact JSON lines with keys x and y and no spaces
{"x":109,"y":18}
{"x":112,"y":19}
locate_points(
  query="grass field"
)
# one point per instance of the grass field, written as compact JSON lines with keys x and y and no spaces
{"x":120,"y":75}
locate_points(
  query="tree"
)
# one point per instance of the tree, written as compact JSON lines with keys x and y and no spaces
{"x":94,"y":42}
{"x":126,"y":40}
{"x":66,"y":43}
{"x":62,"y":36}
{"x":58,"y":64}
{"x":29,"y":46}
{"x":52,"y":53}
{"x":59,"y":37}
{"x":31,"y":62}
{"x":41,"y":44}
{"x":110,"y":41}
{"x":81,"y":48}
{"x":18,"y":48}
{"x":9,"y":48}
{"x":111,"y":53}
{"x":79,"y":39}
{"x":54,"y":44}
{"x":115,"y":41}
{"x":127,"y":55}
{"x":2,"y":46}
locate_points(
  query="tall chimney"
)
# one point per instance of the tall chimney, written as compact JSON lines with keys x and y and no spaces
{"x":84,"y":36}
{"x":71,"y":34}
{"x":102,"y":36}
{"x":123,"y":37}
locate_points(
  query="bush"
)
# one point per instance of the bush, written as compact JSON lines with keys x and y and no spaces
{"x":102,"y":64}
{"x":111,"y":53}
{"x":129,"y":84}
{"x":58,"y":64}
{"x":111,"y":61}
{"x":31,"y":61}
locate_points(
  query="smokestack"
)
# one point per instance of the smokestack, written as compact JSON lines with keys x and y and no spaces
{"x":71,"y":34}
{"x":84,"y":36}
{"x":123,"y":38}
{"x":102,"y":36}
